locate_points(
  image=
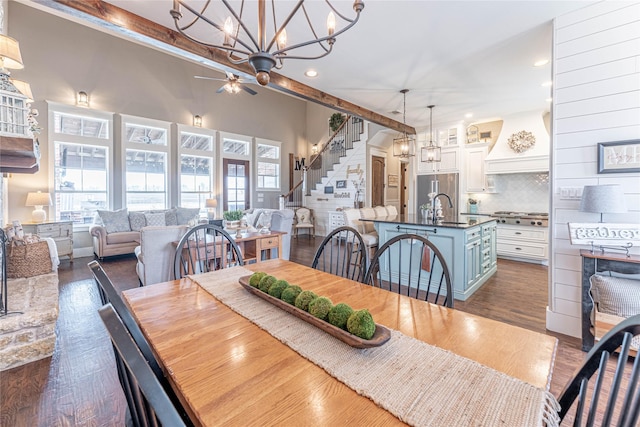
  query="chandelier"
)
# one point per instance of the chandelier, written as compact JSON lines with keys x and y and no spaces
{"x":404,"y":145}
{"x":247,"y":40}
{"x":431,"y":153}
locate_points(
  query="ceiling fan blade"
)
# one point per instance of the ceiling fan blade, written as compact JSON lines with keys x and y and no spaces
{"x":220,"y":90}
{"x":210,"y":78}
{"x":248,"y":89}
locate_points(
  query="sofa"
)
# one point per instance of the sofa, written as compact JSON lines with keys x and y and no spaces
{"x":274,"y":219}
{"x":353,"y":217}
{"x":118,"y":232}
{"x":156,"y":252}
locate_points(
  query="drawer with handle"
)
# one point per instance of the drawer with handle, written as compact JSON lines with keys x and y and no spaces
{"x":269,"y":242}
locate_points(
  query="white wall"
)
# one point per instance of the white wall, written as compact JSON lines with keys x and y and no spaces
{"x":596,"y":99}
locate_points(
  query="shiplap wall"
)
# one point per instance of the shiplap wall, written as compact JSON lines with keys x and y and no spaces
{"x":596,"y":99}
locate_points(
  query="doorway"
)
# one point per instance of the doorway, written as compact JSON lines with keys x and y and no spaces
{"x":235,"y":184}
{"x":377,"y":181}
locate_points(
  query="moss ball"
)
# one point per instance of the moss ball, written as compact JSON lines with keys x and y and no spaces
{"x":339,"y":314}
{"x":276,"y":289}
{"x":290,"y":294}
{"x":320,"y":307}
{"x":303,"y":300}
{"x":361,"y":324}
{"x":254,"y":280}
{"x":266,"y":282}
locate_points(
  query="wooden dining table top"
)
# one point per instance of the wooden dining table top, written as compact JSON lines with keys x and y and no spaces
{"x":227,"y":371}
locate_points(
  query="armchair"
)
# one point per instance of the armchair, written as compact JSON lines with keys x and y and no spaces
{"x":305,"y":221}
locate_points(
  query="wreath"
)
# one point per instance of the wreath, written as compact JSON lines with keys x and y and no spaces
{"x":521,"y":141}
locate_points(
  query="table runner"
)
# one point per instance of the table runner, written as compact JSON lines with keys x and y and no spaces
{"x":421,"y":384}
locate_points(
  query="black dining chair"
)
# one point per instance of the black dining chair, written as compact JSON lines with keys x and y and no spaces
{"x":343,"y":253}
{"x":205,"y":248}
{"x":411,"y":265}
{"x":149,"y":403}
{"x":604,"y":390}
{"x":110,"y":295}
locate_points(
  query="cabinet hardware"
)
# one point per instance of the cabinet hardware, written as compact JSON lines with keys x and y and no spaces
{"x":517,"y":233}
{"x":518,"y":249}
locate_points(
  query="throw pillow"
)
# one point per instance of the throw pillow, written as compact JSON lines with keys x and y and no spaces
{"x":184,"y":215}
{"x":617,"y":296}
{"x":264,"y":220}
{"x":170,"y":217}
{"x":115,"y":221}
{"x":155,"y":219}
{"x":137,"y":220}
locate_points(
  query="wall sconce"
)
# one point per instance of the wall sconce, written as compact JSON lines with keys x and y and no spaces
{"x":314,"y":149}
{"x":197,"y":121}
{"x":82,"y":99}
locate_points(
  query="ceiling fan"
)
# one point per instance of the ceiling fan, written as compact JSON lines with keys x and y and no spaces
{"x":234,"y":84}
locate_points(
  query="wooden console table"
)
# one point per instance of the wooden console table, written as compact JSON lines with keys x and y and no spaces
{"x":593,"y":262}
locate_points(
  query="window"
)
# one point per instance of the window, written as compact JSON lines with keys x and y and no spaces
{"x":146,"y":163}
{"x":196,"y":166}
{"x":268,"y":165}
{"x":82,"y":145}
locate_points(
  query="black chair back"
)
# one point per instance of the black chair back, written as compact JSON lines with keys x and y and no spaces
{"x":148,"y":401}
{"x":205,"y":248}
{"x":604,"y":390}
{"x":342,"y":253}
{"x":411,"y":265}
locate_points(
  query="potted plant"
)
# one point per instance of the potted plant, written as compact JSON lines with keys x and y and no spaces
{"x":424,"y":210}
{"x":232,"y":218}
{"x":336,"y":121}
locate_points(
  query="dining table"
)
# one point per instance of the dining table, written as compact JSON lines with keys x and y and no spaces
{"x":227,"y":370}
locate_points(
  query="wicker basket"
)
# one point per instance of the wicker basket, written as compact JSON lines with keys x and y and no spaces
{"x":28,"y":260}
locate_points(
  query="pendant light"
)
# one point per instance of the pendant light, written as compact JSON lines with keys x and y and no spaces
{"x":431,"y":153}
{"x":404,"y":146}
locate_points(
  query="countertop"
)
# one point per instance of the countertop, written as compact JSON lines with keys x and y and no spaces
{"x":461,"y":222}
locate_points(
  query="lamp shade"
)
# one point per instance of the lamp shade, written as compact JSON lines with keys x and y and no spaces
{"x":603,"y":199}
{"x":24,"y":88}
{"x":10,"y":53}
{"x":38,"y":199}
{"x":211,"y":203}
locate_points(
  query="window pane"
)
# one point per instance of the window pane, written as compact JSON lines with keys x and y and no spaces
{"x":268,"y":175}
{"x":145,"y":201}
{"x":81,"y":126}
{"x":145,"y":135}
{"x":268,"y":151}
{"x":235,"y":147}
{"x":196,"y":142}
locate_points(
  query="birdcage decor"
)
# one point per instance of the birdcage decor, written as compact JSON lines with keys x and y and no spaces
{"x":14,"y":110}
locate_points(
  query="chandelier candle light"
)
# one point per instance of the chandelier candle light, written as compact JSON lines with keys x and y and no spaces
{"x":404,"y":146}
{"x":245,"y":43}
{"x":432,"y":153}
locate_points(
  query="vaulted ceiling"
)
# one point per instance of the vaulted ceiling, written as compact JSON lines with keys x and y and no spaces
{"x":464,"y":57}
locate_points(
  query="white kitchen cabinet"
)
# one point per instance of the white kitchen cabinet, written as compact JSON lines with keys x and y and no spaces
{"x":523,"y":242}
{"x":450,"y":162}
{"x":475,"y":179}
{"x":336,"y":219}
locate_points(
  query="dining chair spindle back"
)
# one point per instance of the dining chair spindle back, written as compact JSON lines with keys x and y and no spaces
{"x":343,"y":253}
{"x":205,"y":248}
{"x":411,"y":265}
{"x":149,"y":404}
{"x":603,"y":394}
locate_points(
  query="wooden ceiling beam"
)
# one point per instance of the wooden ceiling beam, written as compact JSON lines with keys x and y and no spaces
{"x":113,"y":18}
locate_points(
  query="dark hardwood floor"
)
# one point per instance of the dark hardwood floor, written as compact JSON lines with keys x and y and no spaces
{"x":78,"y":386}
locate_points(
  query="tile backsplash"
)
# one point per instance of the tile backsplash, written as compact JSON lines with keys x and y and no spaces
{"x":519,"y":192}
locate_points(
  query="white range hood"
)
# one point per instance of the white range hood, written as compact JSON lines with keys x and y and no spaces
{"x":504,"y":159}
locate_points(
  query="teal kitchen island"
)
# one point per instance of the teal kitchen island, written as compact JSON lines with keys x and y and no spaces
{"x":467,"y":243}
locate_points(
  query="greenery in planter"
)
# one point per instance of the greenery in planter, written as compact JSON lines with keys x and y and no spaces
{"x":232,"y":215}
{"x":336,"y":121}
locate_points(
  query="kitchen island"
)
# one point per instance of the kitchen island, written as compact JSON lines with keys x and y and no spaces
{"x":467,"y":243}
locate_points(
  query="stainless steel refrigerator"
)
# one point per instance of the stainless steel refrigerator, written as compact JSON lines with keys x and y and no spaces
{"x":443,"y":183}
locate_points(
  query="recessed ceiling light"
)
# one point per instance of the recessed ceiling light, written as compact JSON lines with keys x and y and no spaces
{"x":547,"y":84}
{"x":541,"y":62}
{"x":468,"y":115}
{"x":311,"y":73}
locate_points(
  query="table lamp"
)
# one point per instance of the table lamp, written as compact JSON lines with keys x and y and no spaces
{"x":211,"y":205}
{"x":38,"y":200}
{"x":603,"y":199}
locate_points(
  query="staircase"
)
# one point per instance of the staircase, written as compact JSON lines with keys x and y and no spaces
{"x":323,"y":162}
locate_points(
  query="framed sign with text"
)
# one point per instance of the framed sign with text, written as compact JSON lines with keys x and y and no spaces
{"x":619,"y":157}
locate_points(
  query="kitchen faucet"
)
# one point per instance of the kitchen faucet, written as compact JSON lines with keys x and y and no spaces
{"x":434,"y":217}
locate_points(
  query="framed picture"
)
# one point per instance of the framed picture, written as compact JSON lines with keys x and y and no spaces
{"x":328,"y":190}
{"x":485,"y":136}
{"x":619,"y":156}
{"x":392,"y":180}
{"x":341,"y":184}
